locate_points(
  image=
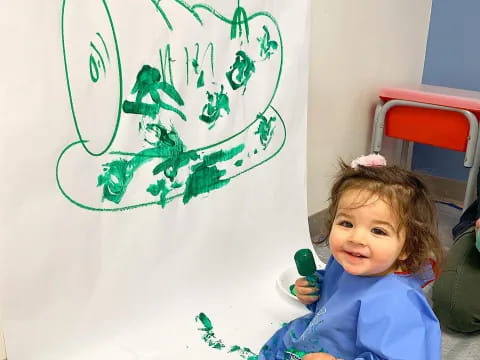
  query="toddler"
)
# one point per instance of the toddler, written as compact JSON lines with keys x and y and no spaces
{"x":368,"y":303}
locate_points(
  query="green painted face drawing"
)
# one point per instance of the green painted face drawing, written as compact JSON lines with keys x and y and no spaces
{"x":196,"y":87}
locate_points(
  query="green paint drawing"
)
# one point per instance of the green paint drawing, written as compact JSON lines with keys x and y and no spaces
{"x":245,"y":353}
{"x":212,"y":111}
{"x":265,"y":130}
{"x":208,"y":336}
{"x":206,"y":176}
{"x":96,"y":61}
{"x":198,"y":66}
{"x":149,"y":82}
{"x":166,"y":64}
{"x":239,"y":22}
{"x":267,"y":46}
{"x":160,"y":96}
{"x":241,"y":71}
{"x":69,"y":77}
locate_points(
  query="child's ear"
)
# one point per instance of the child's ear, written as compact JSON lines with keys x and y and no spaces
{"x":403,"y":255}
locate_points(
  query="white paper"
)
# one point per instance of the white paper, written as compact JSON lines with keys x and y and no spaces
{"x":128,"y":211}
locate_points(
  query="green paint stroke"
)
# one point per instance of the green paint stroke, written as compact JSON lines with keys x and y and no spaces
{"x":94,"y":64}
{"x":267,"y":46}
{"x":241,"y":71}
{"x":239,"y":18}
{"x":208,"y":334}
{"x":212,"y":341}
{"x":149,"y":82}
{"x":197,"y":68}
{"x":166,"y":63}
{"x":212,"y":111}
{"x":201,"y":80}
{"x":118,"y":174}
{"x":69,"y":78}
{"x":265,"y":130}
{"x":205,"y":175}
{"x":245,"y":353}
{"x":164,"y":16}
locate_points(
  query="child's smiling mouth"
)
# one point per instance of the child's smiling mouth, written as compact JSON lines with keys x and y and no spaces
{"x":355,"y":254}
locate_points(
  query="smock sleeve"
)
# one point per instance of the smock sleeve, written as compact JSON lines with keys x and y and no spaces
{"x":398,"y":325}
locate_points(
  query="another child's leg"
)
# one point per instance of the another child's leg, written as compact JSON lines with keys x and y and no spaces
{"x":456,"y":294}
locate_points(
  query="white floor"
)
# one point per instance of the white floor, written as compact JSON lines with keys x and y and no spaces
{"x":455,"y":346}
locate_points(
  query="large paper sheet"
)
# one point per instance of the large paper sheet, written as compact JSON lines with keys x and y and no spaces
{"x":153,"y":155}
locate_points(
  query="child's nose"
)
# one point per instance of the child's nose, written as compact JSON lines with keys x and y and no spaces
{"x":358,"y":237}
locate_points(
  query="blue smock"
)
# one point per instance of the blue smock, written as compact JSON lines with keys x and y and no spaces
{"x":362,"y":318}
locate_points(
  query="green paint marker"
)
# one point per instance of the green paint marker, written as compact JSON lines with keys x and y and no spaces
{"x":305,"y":262}
{"x":306,"y":265}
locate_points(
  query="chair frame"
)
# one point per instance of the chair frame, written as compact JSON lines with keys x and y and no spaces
{"x":472,"y":152}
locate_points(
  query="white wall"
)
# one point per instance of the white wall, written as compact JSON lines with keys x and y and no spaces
{"x":3,"y":353}
{"x":357,"y":47}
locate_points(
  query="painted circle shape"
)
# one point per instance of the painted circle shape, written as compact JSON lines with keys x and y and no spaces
{"x":83,"y":140}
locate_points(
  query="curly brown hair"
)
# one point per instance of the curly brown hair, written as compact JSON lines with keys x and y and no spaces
{"x":412,"y":203}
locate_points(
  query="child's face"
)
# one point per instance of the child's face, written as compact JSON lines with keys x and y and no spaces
{"x":364,"y":237}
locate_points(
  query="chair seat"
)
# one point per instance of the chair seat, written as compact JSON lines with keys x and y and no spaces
{"x":436,"y":95}
{"x":442,"y":128}
{"x":436,"y":127}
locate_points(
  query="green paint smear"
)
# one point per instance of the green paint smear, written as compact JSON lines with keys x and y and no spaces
{"x":149,"y":82}
{"x":241,"y":70}
{"x":201,"y":80}
{"x":265,"y":130}
{"x":160,"y":188}
{"x":118,"y":174}
{"x":210,"y":339}
{"x":208,"y":334}
{"x":238,"y":163}
{"x":245,"y":353}
{"x":267,"y":46}
{"x":205,"y":176}
{"x":212,"y":111}
{"x":292,"y":290}
{"x":239,"y":18}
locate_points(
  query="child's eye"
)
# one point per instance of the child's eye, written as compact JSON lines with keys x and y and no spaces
{"x":378,"y":231}
{"x":345,"y":223}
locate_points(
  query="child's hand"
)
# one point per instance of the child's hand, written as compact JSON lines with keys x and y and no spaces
{"x":306,"y":291}
{"x":319,"y":356}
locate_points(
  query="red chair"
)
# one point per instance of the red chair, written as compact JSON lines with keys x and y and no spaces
{"x":432,"y":115}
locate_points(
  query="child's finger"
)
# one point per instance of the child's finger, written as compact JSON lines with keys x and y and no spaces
{"x":306,"y":290}
{"x":304,"y":282}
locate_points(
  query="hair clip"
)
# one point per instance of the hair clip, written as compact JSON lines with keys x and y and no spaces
{"x":374,"y":160}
